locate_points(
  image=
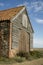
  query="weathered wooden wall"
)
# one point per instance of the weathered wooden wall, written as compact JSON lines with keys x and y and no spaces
{"x":21,"y":36}
{"x":31,"y":41}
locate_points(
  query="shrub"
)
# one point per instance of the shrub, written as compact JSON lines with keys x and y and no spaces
{"x":19,"y":59}
{"x":22,"y":54}
{"x":36,"y":54}
{"x":26,"y":55}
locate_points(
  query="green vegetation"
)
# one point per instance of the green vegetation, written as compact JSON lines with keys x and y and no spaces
{"x":21,"y":57}
{"x":32,"y":55}
{"x":12,"y":60}
{"x":37,"y":54}
{"x":6,"y":60}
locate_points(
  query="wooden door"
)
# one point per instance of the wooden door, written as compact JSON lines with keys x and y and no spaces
{"x":27,"y":42}
{"x":24,"y":42}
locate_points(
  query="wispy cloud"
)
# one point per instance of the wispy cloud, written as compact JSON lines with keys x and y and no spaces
{"x":35,"y":6}
{"x":1,"y":4}
{"x":39,"y":20}
{"x":25,"y":4}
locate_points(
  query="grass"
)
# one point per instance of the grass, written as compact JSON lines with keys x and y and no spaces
{"x":16,"y":59}
{"x":35,"y":55}
{"x":32,"y":55}
{"x":21,"y":57}
{"x":6,"y":60}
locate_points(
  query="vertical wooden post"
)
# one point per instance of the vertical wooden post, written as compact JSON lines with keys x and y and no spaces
{"x":10,"y":39}
{"x":0,"y":42}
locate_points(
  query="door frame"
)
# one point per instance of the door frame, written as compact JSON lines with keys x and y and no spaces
{"x":29,"y":40}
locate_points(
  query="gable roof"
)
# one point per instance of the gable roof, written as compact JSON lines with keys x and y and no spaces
{"x":9,"y":13}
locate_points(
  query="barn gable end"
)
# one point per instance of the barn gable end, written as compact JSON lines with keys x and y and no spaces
{"x":19,"y":26}
{"x":20,"y":17}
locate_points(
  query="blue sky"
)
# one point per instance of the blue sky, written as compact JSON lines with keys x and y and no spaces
{"x":35,"y":12}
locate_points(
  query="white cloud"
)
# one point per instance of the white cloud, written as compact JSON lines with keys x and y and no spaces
{"x":35,"y":6}
{"x":39,"y":20}
{"x":38,"y":43}
{"x":25,"y":4}
{"x":1,"y":4}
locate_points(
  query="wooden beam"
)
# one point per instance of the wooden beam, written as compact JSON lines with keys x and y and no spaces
{"x":10,"y":40}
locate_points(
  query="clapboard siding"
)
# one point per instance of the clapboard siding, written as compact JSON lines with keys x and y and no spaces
{"x":15,"y":36}
{"x":31,"y":40}
{"x":18,"y":21}
{"x":17,"y":25}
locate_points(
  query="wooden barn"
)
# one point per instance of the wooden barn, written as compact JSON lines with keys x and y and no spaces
{"x":16,"y":32}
